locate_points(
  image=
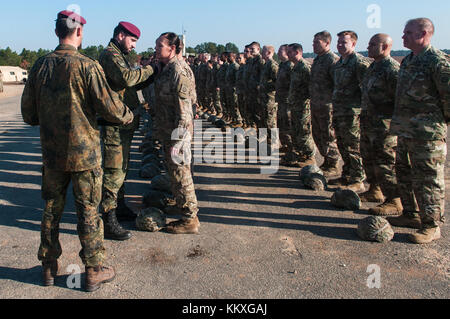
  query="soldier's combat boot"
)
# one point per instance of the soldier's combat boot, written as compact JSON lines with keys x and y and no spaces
{"x":357,"y":187}
{"x":425,"y":235}
{"x":373,"y":195}
{"x":184,"y":226}
{"x":329,"y":168}
{"x":306,"y":162}
{"x":112,"y":228}
{"x":341,"y":181}
{"x":49,"y":272}
{"x":391,"y":207}
{"x":95,"y":276}
{"x":123,"y":212}
{"x":408,"y":220}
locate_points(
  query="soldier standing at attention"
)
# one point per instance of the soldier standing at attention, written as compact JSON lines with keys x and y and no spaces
{"x":421,"y":116}
{"x":377,"y":144}
{"x":172,"y":92}
{"x":202,"y":75}
{"x":347,"y":77}
{"x":281,"y":97}
{"x":245,"y":110}
{"x":240,"y":87}
{"x":222,"y":86}
{"x":231,"y":80}
{"x":64,"y":93}
{"x":255,"y":69}
{"x":267,"y":87}
{"x":321,"y":90}
{"x":117,"y":140}
{"x":303,"y":148}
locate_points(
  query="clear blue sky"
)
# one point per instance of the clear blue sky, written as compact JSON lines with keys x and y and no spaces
{"x":30,"y":24}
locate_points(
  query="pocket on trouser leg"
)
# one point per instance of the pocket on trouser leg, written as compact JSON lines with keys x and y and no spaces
{"x":113,"y":150}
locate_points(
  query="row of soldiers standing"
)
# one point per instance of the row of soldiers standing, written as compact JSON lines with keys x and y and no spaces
{"x":387,"y":122}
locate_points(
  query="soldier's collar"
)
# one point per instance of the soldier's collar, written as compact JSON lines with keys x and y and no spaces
{"x":66,"y":47}
{"x":117,"y":46}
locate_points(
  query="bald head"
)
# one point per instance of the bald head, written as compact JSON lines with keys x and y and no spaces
{"x":423,"y":24}
{"x":417,"y":34}
{"x":380,"y":46}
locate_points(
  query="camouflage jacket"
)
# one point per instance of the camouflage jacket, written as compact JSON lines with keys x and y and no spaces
{"x":240,"y":80}
{"x":378,"y":90}
{"x":64,"y":94}
{"x":231,"y":75}
{"x":202,"y":76}
{"x":283,"y":82}
{"x":348,"y":74}
{"x":321,"y":85}
{"x":211,"y":79}
{"x":269,"y":75}
{"x":299,"y":87}
{"x":255,"y":69}
{"x":191,"y":76}
{"x":221,"y":76}
{"x":123,"y":79}
{"x":422,"y":105}
{"x":173,"y":88}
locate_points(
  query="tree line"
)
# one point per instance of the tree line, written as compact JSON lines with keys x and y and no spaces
{"x":27,"y":58}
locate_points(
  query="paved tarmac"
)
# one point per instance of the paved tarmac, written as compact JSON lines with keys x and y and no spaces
{"x":261,"y":237}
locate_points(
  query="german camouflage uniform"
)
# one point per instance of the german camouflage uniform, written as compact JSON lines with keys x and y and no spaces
{"x":240,"y":91}
{"x":174,"y":98}
{"x":283,"y":84}
{"x":421,"y":116}
{"x":254,"y":71}
{"x":321,"y":90}
{"x":378,"y":146}
{"x":211,"y":86}
{"x":222,"y":85}
{"x":301,"y":135}
{"x":231,"y":80}
{"x":267,"y":90}
{"x":347,"y":77}
{"x":203,"y":96}
{"x":64,"y":93}
{"x":117,"y":139}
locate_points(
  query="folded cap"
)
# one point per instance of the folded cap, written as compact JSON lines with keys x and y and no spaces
{"x":71,"y":15}
{"x":131,"y":29}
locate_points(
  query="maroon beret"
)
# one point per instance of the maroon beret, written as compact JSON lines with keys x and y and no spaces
{"x":131,"y":29}
{"x":71,"y":15}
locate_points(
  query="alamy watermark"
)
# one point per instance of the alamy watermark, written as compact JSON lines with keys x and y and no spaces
{"x":374,"y":18}
{"x":374,"y":279}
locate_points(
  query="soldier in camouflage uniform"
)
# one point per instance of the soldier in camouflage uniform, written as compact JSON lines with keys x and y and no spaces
{"x":245,"y":69}
{"x":303,"y":148}
{"x":321,"y":90}
{"x":202,"y":75}
{"x":117,"y":139}
{"x":377,"y":144}
{"x":240,"y":87}
{"x":231,"y":80}
{"x":347,"y":77}
{"x":64,"y":93}
{"x":281,"y":97}
{"x":254,"y":71}
{"x":173,"y":89}
{"x":267,"y":88}
{"x":222,"y":86}
{"x":211,"y":85}
{"x":421,"y":116}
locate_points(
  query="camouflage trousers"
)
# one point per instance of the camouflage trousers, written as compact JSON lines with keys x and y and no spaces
{"x":255,"y":112}
{"x":87,"y":187}
{"x":203,"y":97}
{"x":215,"y":98}
{"x":284,"y":124}
{"x":270,"y":107}
{"x":323,"y":131}
{"x":116,"y":155}
{"x":420,"y":169}
{"x":182,"y":182}
{"x":378,"y":149}
{"x":224,"y":101}
{"x":233,"y":104}
{"x":346,"y":123}
{"x":303,"y":142}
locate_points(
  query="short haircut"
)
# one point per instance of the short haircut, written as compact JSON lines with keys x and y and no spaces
{"x":173,"y":39}
{"x":270,"y":48}
{"x":63,"y":29}
{"x":425,"y":24}
{"x":296,"y":46}
{"x":254,"y":43}
{"x":119,"y":29}
{"x":352,"y":34}
{"x":324,"y":36}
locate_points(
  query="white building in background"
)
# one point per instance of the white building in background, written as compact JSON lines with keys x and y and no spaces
{"x":14,"y":74}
